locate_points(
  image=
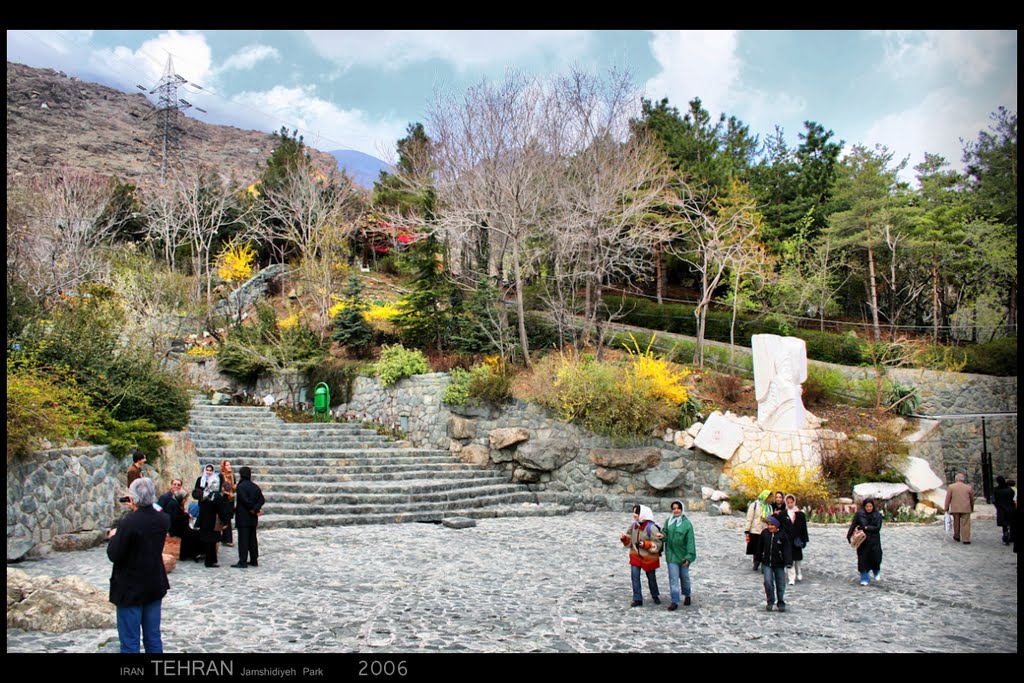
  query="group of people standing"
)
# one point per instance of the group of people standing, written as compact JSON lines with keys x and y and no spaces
{"x":776,"y":535}
{"x":138,"y":580}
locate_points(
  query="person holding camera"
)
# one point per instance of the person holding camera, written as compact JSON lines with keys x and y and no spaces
{"x":138,"y":582}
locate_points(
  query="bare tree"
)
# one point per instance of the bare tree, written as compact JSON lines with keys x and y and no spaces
{"x":54,"y":241}
{"x":714,"y":238}
{"x":495,"y":175}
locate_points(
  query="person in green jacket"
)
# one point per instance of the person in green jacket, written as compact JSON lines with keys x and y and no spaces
{"x":680,"y":551}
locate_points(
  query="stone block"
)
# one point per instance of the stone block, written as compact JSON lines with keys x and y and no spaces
{"x":545,"y":456}
{"x":936,"y":498}
{"x":79,"y":541}
{"x":475,"y":454}
{"x":708,"y":493}
{"x":57,"y":605}
{"x":684,"y":440}
{"x":664,"y":478}
{"x":503,"y":437}
{"x":607,"y":476}
{"x":526,"y":475}
{"x":719,"y":436}
{"x":627,"y":459}
{"x":18,"y":548}
{"x":694,"y":429}
{"x":459,"y":522}
{"x":461,"y":427}
{"x":501,"y":455}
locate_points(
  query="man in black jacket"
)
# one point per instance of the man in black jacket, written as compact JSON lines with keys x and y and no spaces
{"x":138,"y":582}
{"x":249,"y":500}
{"x":776,"y":557}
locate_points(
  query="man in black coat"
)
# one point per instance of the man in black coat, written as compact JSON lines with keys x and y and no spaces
{"x":249,"y":499}
{"x":138,"y":582}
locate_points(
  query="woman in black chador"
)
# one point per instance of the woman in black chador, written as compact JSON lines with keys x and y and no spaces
{"x":869,"y":554}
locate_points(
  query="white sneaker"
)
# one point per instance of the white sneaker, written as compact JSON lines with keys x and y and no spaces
{"x":799,"y":577}
{"x":792,"y":582}
{"x":863,"y":583}
{"x":876,"y":577}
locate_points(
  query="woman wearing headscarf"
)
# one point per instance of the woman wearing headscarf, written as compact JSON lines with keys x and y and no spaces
{"x":1002,"y":497}
{"x":680,"y":552}
{"x":209,"y":522}
{"x":794,"y":523}
{"x":778,"y":503}
{"x":643,"y":538}
{"x":757,"y":512}
{"x":227,"y":501}
{"x":869,"y":554}
{"x":191,"y":547}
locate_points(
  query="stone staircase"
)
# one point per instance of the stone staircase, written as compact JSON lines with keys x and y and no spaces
{"x":329,"y":474}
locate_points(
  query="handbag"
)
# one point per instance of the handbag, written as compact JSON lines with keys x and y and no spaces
{"x":857,"y":538}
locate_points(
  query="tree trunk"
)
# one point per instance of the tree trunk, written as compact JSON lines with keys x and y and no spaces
{"x":874,"y":289}
{"x":520,"y":309}
{"x":660,"y":281}
{"x":935,"y":295}
{"x":732,"y":325}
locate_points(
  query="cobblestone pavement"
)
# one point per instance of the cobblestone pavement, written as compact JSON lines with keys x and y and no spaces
{"x":562,"y":585}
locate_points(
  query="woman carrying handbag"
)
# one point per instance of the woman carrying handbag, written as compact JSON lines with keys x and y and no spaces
{"x":865,"y":535}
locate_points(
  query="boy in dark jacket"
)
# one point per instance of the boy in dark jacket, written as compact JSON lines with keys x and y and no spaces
{"x":776,"y":557}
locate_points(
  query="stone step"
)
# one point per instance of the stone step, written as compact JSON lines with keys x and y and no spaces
{"x":439,"y":482}
{"x":328,"y":456}
{"x":328,"y":466}
{"x":275,"y":477}
{"x":439,"y":503}
{"x":285,"y":521}
{"x":281,"y":428}
{"x":306,"y":445}
{"x":323,"y":471}
{"x":410,"y":495}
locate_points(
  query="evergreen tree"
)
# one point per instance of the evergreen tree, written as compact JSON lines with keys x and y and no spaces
{"x":350,"y":327}
{"x":428,"y":312}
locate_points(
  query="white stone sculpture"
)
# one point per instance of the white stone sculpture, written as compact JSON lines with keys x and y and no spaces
{"x":780,"y":367}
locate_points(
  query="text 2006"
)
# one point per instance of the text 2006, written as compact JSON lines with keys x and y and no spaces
{"x":385,"y":668}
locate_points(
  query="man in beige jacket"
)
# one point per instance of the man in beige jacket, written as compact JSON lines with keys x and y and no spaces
{"x":960,"y":505}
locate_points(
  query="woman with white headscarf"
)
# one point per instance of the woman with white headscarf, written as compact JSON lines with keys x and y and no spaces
{"x":643,"y":538}
{"x":209,"y":521}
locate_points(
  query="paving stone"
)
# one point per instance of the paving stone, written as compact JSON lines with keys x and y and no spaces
{"x":504,"y":588}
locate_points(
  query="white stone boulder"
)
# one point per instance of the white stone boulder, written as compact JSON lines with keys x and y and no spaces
{"x":684,"y":439}
{"x":878,"y":490}
{"x":694,"y":429}
{"x":935,"y":498}
{"x":719,"y":436}
{"x":708,"y":493}
{"x":919,"y":475}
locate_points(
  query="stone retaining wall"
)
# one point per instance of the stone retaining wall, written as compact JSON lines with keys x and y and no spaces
{"x":567,"y":464}
{"x":63,"y":491}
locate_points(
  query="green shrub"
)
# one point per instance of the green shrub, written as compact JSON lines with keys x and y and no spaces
{"x":823,"y":385}
{"x":997,"y":357}
{"x":842,"y":349}
{"x":488,"y":384}
{"x":350,"y":327}
{"x":267,"y":346}
{"x":692,"y":410}
{"x":39,"y":408}
{"x":855,"y":461}
{"x":339,"y":377}
{"x":457,"y":391}
{"x":903,"y":399}
{"x":82,"y":341}
{"x":397,"y":362}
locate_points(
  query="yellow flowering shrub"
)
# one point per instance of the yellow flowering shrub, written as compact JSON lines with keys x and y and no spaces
{"x":202,"y":351}
{"x":235,"y":262}
{"x":807,"y":484}
{"x":661,"y":378}
{"x":380,"y":313}
{"x":289,"y":322}
{"x":337,"y":308}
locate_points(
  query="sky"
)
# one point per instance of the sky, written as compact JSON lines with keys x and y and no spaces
{"x":912,"y":91}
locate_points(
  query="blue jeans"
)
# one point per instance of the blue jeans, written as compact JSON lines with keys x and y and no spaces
{"x":678,"y":573}
{"x":652,"y":583}
{"x":130,"y":619}
{"x":774,"y":581}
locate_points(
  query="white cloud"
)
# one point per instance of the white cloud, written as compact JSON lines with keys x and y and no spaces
{"x":322,"y":124}
{"x":249,"y":56}
{"x":971,"y":55}
{"x":935,"y":125}
{"x":706,"y":64}
{"x":700,"y":64}
{"x":192,"y":59}
{"x":462,"y":49}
